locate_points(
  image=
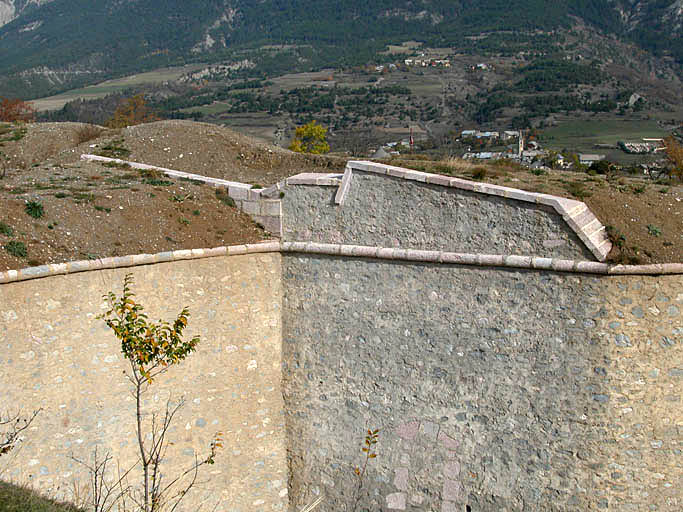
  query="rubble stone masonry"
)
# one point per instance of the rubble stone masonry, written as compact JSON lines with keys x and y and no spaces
{"x":493,"y":389}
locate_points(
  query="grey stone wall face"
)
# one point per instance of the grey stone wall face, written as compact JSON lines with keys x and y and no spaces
{"x":493,"y":389}
{"x":392,"y":212}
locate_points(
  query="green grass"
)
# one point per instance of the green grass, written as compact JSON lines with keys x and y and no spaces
{"x":6,"y":229}
{"x":17,"y":249}
{"x":216,"y":108}
{"x":19,"y":499}
{"x":34,"y":209}
{"x":584,"y":135}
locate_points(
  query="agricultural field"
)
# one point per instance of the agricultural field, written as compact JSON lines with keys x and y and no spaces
{"x":112,"y":86}
{"x":602,"y":136}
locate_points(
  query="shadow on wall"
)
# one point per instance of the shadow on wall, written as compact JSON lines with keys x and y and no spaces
{"x":494,"y":389}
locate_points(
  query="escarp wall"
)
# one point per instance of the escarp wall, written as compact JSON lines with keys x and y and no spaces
{"x":506,"y":367}
{"x":57,"y":356}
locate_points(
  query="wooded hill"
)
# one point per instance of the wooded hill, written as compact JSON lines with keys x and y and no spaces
{"x":66,"y":43}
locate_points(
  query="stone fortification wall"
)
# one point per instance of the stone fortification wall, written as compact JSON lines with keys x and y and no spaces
{"x":390,"y":211}
{"x":57,"y":356}
{"x":494,"y":389}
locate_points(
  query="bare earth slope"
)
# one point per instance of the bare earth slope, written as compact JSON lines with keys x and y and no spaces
{"x":92,"y":210}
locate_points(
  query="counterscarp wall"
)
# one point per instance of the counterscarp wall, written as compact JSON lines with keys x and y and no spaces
{"x":389,"y":211}
{"x":57,"y":356}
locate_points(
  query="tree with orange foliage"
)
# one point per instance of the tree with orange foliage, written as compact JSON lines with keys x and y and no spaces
{"x":674,"y":152}
{"x":132,"y":111}
{"x":14,"y":109}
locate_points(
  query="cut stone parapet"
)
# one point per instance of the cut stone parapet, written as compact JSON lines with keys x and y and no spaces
{"x":345,"y":250}
{"x":575,"y":213}
{"x":264,"y":208}
{"x":74,"y":267}
{"x":481,"y":260}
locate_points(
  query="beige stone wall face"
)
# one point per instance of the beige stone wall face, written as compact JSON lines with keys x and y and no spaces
{"x":57,"y":356}
{"x":639,"y":465}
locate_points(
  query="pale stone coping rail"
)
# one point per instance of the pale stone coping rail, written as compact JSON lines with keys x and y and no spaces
{"x":169,"y":172}
{"x":252,"y":201}
{"x":353,"y":251}
{"x":575,"y":213}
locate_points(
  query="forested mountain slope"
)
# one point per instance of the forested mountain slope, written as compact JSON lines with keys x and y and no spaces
{"x":63,"y":43}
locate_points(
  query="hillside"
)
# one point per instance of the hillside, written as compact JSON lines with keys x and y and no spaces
{"x":92,"y":210}
{"x":66,"y":43}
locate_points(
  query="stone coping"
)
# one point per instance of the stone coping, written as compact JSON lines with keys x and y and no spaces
{"x":575,"y":213}
{"x":352,"y":251}
{"x":216,"y":182}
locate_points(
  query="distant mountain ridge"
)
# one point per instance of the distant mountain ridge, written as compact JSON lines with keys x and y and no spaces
{"x":48,"y":45}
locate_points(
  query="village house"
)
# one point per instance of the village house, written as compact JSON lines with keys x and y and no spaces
{"x":588,"y":159}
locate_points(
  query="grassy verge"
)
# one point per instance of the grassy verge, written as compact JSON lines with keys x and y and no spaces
{"x":20,"y":499}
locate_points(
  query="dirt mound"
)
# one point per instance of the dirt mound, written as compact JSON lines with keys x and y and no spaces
{"x":216,"y":151}
{"x":199,"y":148}
{"x":26,"y":145}
{"x":56,"y":213}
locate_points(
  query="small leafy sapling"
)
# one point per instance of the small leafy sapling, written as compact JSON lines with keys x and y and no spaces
{"x":151,"y":350}
{"x":371,"y":438}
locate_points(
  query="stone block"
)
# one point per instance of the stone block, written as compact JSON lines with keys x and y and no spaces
{"x":385,"y":253}
{"x":520,"y":195}
{"x":563,"y":265}
{"x":344,"y":187}
{"x":449,"y":506}
{"x":409,"y":174}
{"x":542,"y":263}
{"x":401,"y":478}
{"x":396,"y":172}
{"x":493,"y":260}
{"x":396,"y":501}
{"x":271,"y":208}
{"x":365,"y":251}
{"x":273,"y":224}
{"x":255,"y":194}
{"x":362,"y":165}
{"x":182,"y":255}
{"x":429,"y":430}
{"x":451,"y":470}
{"x":518,"y":261}
{"x":436,"y":179}
{"x":452,"y":490}
{"x":447,"y":441}
{"x":251,"y":207}
{"x":414,"y":255}
{"x":237,"y":249}
{"x":238,"y":193}
{"x":591,"y":267}
{"x":408,"y":430}
{"x":462,"y":184}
